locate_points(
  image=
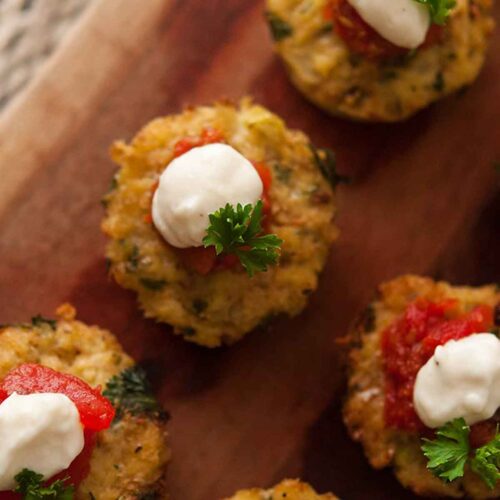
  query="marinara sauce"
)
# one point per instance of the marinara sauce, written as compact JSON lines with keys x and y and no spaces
{"x":409,"y":342}
{"x":362,"y":39}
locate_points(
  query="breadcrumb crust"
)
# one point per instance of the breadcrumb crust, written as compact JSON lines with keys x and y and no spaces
{"x":291,"y":489}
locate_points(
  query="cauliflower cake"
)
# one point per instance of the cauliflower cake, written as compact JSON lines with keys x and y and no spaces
{"x":366,"y":410}
{"x":343,"y":82}
{"x":214,"y":306}
{"x":129,"y":458}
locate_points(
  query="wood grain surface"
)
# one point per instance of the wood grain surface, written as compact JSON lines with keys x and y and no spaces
{"x":425,"y":199}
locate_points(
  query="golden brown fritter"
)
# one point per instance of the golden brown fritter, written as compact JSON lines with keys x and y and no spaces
{"x":329,"y":74}
{"x":221,"y":307}
{"x":364,"y":407}
{"x":291,"y":489}
{"x":130,"y":457}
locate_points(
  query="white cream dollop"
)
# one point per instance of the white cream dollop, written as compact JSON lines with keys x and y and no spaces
{"x":402,"y":22}
{"x":198,"y":183}
{"x":40,"y":432}
{"x":461,"y":379}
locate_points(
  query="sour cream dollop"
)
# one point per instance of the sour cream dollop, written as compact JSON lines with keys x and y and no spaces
{"x":40,"y":432}
{"x":198,"y":183}
{"x":462,"y":379}
{"x":402,"y":22}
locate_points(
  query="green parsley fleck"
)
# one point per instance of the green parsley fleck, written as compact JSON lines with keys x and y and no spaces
{"x":152,"y":284}
{"x":150,"y":495}
{"x":199,"y":305}
{"x":439,"y":9}
{"x":30,"y":485}
{"x":188,"y":331}
{"x":326,"y":28}
{"x":39,"y":320}
{"x":282,"y":173}
{"x":112,"y":186}
{"x":108,"y":264}
{"x":280,"y":29}
{"x":368,"y":319}
{"x":327,"y":163}
{"x":133,"y":259}
{"x":439,"y":84}
{"x":130,"y":392}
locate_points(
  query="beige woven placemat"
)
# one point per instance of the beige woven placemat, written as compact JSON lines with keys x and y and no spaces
{"x":30,"y":30}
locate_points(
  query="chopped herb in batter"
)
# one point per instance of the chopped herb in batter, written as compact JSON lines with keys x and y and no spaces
{"x":280,"y":29}
{"x":39,"y":320}
{"x":439,"y":84}
{"x":439,"y":9}
{"x":327,"y":163}
{"x":152,"y":284}
{"x":199,"y":305}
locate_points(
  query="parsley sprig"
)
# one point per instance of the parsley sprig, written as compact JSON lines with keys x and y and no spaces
{"x":439,"y":9}
{"x":30,"y":486}
{"x":486,"y":461}
{"x":451,"y":450}
{"x":130,"y":391}
{"x":236,"y":231}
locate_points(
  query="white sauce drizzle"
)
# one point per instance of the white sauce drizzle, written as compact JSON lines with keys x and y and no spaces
{"x":198,"y":183}
{"x":40,"y":432}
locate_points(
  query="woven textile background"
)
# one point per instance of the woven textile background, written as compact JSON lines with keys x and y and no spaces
{"x":29,"y":31}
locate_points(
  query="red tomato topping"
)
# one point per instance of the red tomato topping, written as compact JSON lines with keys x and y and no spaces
{"x":96,"y":412}
{"x":80,"y":467}
{"x":267,"y":180}
{"x":199,"y":259}
{"x":229,"y":261}
{"x":482,"y":433}
{"x":408,"y":344}
{"x":361,"y":38}
{"x":264,"y":174}
{"x":208,"y":136}
{"x":9,"y":495}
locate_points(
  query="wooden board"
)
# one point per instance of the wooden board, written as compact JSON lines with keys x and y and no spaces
{"x":425,"y":199}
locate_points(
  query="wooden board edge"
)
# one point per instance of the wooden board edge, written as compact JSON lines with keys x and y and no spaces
{"x":43,"y":119}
